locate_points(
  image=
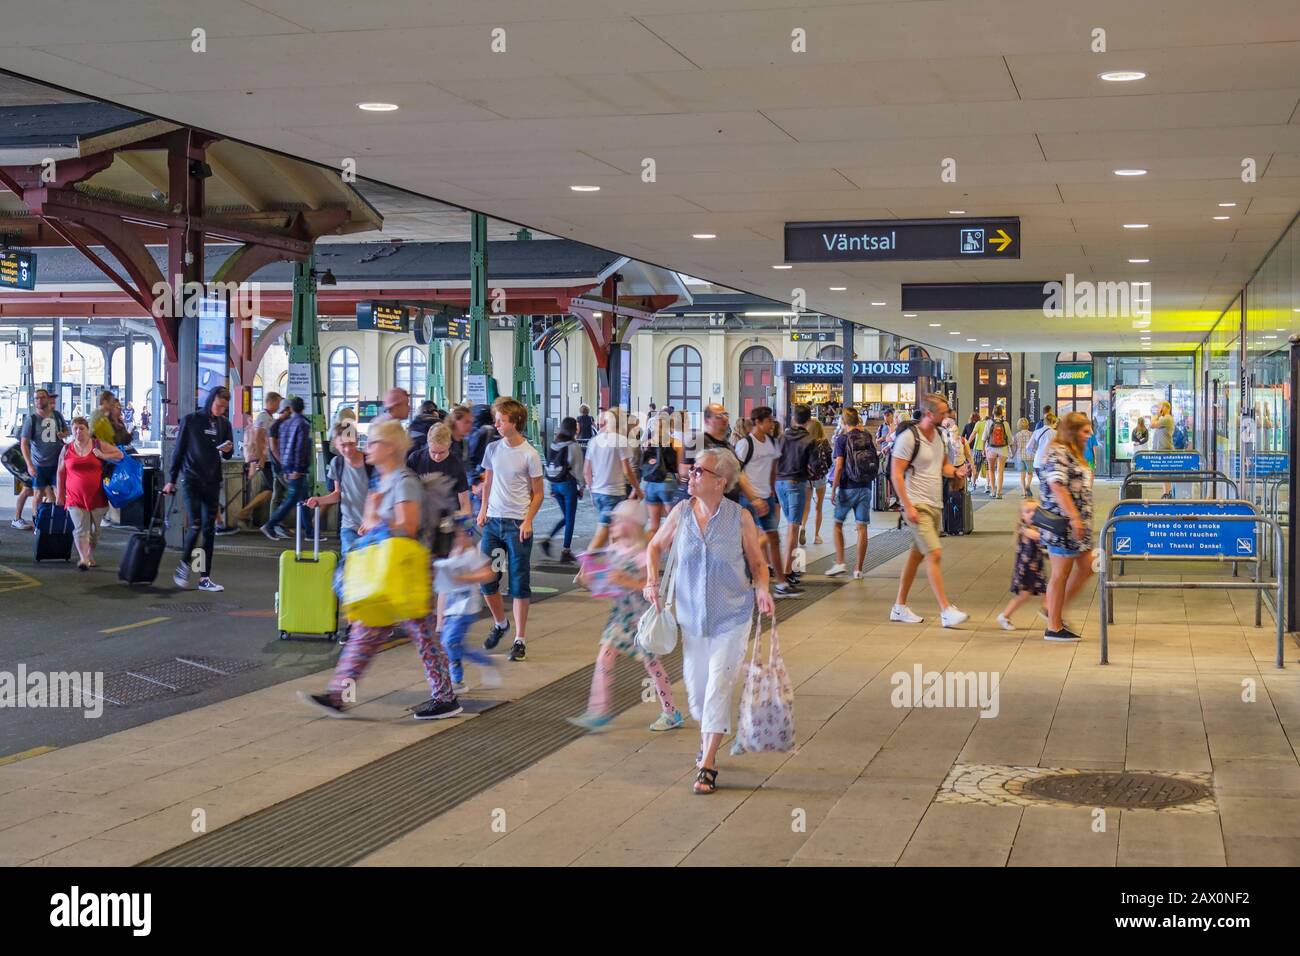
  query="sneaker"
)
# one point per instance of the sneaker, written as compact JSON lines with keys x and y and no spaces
{"x":835,"y":569}
{"x":283,"y":535}
{"x":546,"y":546}
{"x":668,"y":721}
{"x":803,"y":536}
{"x":1004,"y":622}
{"x":857,"y":575}
{"x":1064,"y":635}
{"x":18,"y":524}
{"x":459,"y":686}
{"x":517,"y":651}
{"x":181,"y":578}
{"x":903,"y":613}
{"x":323,"y":702}
{"x":209,"y":585}
{"x":494,"y":637}
{"x":489,"y":676}
{"x":223,"y":530}
{"x":951,"y":616}
{"x":592,"y":722}
{"x":437,"y":710}
{"x":787,"y":591}
{"x":792,"y":577}
{"x":267,"y":530}
{"x":566,"y":557}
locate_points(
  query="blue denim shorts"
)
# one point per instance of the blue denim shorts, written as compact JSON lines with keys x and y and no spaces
{"x":793,"y":495}
{"x":1059,"y":552}
{"x":45,"y":476}
{"x":660,"y":492}
{"x":605,"y":505}
{"x":501,"y":539}
{"x":768,"y":522}
{"x":857,"y":500}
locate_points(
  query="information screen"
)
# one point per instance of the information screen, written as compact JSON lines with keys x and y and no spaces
{"x":17,"y":269}
{"x":382,"y":317}
{"x":213,"y":331}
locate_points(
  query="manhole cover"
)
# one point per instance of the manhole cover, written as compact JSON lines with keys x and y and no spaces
{"x":1133,"y":790}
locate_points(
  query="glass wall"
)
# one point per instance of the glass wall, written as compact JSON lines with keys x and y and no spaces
{"x":1127,"y":391}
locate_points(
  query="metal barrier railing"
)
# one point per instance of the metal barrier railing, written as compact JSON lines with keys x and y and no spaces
{"x":1107,"y":584}
{"x":1273,"y":485}
{"x":1213,"y":478}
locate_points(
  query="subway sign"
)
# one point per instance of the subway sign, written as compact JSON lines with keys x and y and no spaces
{"x":1079,"y":373}
{"x":882,"y":371}
{"x":900,"y":240}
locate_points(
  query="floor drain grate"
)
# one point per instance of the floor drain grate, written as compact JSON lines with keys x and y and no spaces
{"x":1137,"y":791}
{"x":200,"y":608}
{"x":170,"y":677}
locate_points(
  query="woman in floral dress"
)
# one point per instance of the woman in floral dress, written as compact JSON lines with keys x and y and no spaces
{"x":1067,"y":493}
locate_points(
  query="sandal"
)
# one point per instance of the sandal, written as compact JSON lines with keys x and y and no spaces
{"x":706,"y":781}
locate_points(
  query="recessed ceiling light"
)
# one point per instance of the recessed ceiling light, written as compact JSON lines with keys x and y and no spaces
{"x":598,"y":314}
{"x":954,"y":333}
{"x":878,"y":303}
{"x":1122,"y":76}
{"x":1136,"y":225}
{"x":1221,"y":218}
{"x":970,"y":340}
{"x":703,"y":235}
{"x":585,"y":189}
{"x":984,"y":345}
{"x":956,"y":212}
{"x":909,"y":315}
{"x":782,"y":267}
{"x":839,"y":288}
{"x":1130,"y":172}
{"x":1270,"y":336}
{"x":1226,"y":205}
{"x":1138,"y":262}
{"x":935,"y":325}
{"x":377,"y":107}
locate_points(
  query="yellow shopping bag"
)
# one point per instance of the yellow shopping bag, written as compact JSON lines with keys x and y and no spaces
{"x":387,"y":582}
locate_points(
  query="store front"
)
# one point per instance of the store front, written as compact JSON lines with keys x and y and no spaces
{"x":1128,"y":390}
{"x":1073,"y":383}
{"x":877,"y":385}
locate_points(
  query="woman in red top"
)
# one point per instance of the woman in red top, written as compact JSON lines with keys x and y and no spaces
{"x":81,"y":487}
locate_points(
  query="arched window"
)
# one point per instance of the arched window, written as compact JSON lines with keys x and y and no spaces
{"x":409,"y":373}
{"x":684,"y":375}
{"x":757,"y":370}
{"x":554,"y":385}
{"x":831,"y":353}
{"x":344,"y":380}
{"x":910,"y":352}
{"x":258,"y":392}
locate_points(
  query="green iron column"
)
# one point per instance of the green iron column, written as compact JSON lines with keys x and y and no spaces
{"x":437,"y":371}
{"x":525,"y":386}
{"x":480,"y":351}
{"x":304,"y":349}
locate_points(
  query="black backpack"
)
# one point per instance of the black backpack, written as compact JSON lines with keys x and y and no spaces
{"x":861,"y":459}
{"x":653,"y":467}
{"x":557,"y":463}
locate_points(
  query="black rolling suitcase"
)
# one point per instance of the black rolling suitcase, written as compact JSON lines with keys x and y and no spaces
{"x":880,"y":493}
{"x":144,"y":552}
{"x":53,"y":533}
{"x":967,"y":512}
{"x":952,"y":523}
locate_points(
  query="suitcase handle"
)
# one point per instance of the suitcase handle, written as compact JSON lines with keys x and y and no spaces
{"x":297,"y":534}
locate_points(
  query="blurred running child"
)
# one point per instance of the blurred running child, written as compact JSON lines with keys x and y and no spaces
{"x":626,"y":573}
{"x":458,"y":576}
{"x":1027,"y":579}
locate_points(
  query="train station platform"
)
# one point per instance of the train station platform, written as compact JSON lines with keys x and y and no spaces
{"x":259,"y":778}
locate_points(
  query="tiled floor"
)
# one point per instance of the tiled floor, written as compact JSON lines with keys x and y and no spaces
{"x":860,"y":789}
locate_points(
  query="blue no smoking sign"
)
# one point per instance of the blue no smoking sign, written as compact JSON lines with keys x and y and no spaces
{"x":1180,"y":535}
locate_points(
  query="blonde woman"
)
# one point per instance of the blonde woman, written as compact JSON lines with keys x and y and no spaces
{"x":80,"y":487}
{"x":1162,"y":436}
{"x":1024,"y":458}
{"x":1067,"y":493}
{"x":820,"y":447}
{"x":661,"y":457}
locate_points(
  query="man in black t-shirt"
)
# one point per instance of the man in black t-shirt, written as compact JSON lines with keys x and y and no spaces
{"x":435,"y":458}
{"x":716,"y":434}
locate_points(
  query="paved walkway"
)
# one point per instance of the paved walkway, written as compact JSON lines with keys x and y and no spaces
{"x":1191,"y":691}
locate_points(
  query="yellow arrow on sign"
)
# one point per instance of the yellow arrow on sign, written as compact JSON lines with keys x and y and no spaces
{"x":1002,"y":239}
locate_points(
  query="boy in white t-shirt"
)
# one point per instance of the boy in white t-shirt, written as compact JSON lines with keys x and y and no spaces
{"x":512,"y":495}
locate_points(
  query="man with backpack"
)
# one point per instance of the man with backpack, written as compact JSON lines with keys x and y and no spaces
{"x":794,"y":474}
{"x":857,"y":464}
{"x":758,"y":454}
{"x":997,"y":445}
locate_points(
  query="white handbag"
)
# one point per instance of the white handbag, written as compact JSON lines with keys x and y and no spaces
{"x":656,"y":632}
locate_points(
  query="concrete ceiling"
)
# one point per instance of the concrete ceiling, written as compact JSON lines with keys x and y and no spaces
{"x":747,"y":134}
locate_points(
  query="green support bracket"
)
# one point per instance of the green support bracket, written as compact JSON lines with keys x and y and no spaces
{"x":304,"y":349}
{"x":525,"y":385}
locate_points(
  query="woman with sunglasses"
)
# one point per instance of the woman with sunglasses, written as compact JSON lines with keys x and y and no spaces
{"x":714,"y":595}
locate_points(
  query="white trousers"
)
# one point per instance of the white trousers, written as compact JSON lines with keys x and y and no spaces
{"x":710,"y":666}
